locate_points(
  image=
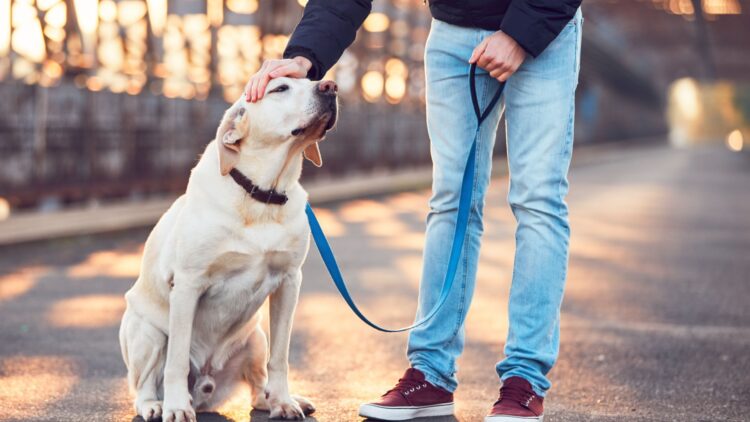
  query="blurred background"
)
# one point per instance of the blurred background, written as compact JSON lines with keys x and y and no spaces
{"x":105,"y":106}
{"x":107,"y":99}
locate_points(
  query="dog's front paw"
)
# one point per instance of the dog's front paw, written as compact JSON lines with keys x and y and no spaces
{"x":285,"y":407}
{"x":150,"y":410}
{"x":178,"y":410}
{"x":305,"y":404}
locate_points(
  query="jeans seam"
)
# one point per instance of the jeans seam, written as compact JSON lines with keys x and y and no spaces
{"x":566,"y":147}
{"x":477,"y":139}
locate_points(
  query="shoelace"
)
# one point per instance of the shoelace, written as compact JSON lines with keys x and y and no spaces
{"x":516,"y":394}
{"x":407,"y":386}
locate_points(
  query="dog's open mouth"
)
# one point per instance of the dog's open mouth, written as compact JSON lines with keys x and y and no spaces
{"x":319,"y":126}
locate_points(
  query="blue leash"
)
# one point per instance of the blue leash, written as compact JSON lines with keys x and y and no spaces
{"x":462,"y":221}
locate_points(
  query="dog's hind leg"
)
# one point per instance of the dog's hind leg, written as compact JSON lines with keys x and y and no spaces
{"x":255,"y":371}
{"x":144,"y":351}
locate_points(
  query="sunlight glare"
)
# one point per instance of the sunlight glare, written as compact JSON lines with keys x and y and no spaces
{"x":108,"y":264}
{"x":90,"y":311}
{"x":18,"y":283}
{"x":32,"y":383}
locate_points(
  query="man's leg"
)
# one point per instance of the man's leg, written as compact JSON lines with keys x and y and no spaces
{"x":540,"y":100}
{"x":434,"y":346}
{"x":426,"y":389}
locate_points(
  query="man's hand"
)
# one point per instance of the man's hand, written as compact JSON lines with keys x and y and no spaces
{"x":499,"y":54}
{"x":293,"y":68}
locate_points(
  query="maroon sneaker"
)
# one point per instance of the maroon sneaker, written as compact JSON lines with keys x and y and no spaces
{"x":517,"y":403}
{"x":412,"y":397}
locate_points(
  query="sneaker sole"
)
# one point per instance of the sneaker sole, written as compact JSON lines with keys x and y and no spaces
{"x":508,"y":418}
{"x":387,"y":413}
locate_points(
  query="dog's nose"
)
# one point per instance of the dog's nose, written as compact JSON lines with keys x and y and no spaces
{"x":328,"y":87}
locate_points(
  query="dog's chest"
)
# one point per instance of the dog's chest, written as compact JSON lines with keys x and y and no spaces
{"x":254,"y":261}
{"x":241,"y":277}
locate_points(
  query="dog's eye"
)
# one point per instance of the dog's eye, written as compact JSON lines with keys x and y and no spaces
{"x":280,"y":88}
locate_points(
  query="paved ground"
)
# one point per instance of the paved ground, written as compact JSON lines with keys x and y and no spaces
{"x":656,"y":322}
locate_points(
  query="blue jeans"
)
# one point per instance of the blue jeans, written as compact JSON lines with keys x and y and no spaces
{"x":539,"y":106}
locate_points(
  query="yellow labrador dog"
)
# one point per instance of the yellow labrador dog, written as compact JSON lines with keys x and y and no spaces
{"x":190,"y":335}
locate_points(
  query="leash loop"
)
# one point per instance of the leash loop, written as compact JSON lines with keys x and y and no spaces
{"x":462,"y":222}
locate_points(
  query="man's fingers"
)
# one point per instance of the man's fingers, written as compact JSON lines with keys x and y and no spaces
{"x":286,"y":70}
{"x":253,"y":86}
{"x":248,"y":87}
{"x":485,"y":61}
{"x":478,"y":50}
{"x":261,"y":88}
{"x":505,"y":76}
{"x":256,"y":83}
{"x":496,"y":73}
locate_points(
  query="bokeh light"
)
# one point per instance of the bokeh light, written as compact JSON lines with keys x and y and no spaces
{"x":372,"y":86}
{"x":242,"y":6}
{"x":735,"y":140}
{"x":376,"y":22}
{"x":183,"y":51}
{"x":4,"y":209}
{"x":5,"y":23}
{"x":157,"y":14}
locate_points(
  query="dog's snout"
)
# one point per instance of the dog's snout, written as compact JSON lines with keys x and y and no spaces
{"x":328,"y":87}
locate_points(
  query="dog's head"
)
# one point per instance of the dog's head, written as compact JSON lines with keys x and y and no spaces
{"x":293,"y":112}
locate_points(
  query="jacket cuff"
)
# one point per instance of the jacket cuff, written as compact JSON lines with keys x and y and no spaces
{"x":530,"y":32}
{"x":315,"y":71}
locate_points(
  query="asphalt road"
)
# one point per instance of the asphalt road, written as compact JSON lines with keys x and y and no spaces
{"x":655,"y":324}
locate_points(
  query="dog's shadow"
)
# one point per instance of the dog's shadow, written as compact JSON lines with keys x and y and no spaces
{"x":255,"y":416}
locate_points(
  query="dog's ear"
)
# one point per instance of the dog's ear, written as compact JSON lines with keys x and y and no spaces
{"x":232,"y":130}
{"x":312,"y":153}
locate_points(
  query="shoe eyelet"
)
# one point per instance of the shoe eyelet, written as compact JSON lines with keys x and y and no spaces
{"x":411,"y":390}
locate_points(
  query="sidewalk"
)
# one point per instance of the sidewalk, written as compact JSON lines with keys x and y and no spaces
{"x":655,"y":322}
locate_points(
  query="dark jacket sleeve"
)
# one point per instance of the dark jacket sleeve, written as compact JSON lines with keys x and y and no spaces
{"x":327,"y":28}
{"x":534,"y":24}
